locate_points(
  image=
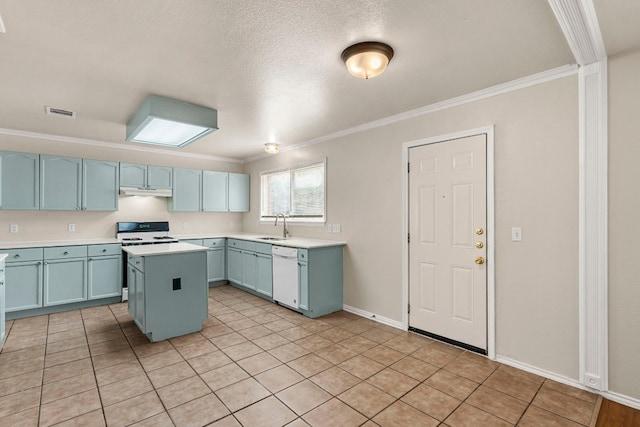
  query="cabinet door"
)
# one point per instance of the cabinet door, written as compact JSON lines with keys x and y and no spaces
{"x":264,"y":282}
{"x":131,"y":288}
{"x":19,"y":181}
{"x":215,"y":264}
{"x":249,"y":269}
{"x":60,"y":183}
{"x":140,"y":316}
{"x":159,"y":177}
{"x":65,"y":281}
{"x":100,"y":185}
{"x":214,"y":191}
{"x":23,"y":289}
{"x":238,"y":192}
{"x":104,"y":277}
{"x":2,"y":303}
{"x":132,"y":175}
{"x":303,"y":282}
{"x":187,"y":190}
{"x":234,"y":266}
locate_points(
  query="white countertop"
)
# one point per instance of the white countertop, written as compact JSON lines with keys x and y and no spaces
{"x":3,"y":256}
{"x":52,"y":243}
{"x":294,"y":242}
{"x":162,"y":249}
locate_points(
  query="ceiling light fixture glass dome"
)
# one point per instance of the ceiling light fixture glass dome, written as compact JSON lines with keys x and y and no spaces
{"x":272,"y":147}
{"x":367,"y":59}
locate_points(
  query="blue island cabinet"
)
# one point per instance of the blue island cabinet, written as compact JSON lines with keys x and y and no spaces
{"x":320,"y":280}
{"x":169,"y":291}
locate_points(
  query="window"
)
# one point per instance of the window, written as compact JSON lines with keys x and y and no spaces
{"x":299,"y":193}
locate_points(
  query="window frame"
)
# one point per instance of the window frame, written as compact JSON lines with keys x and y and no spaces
{"x":290,"y":168}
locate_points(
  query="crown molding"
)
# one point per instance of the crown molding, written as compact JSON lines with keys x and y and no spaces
{"x":521,"y":83}
{"x":579,"y":23}
{"x":104,"y":144}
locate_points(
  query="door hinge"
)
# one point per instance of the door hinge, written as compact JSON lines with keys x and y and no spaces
{"x":409,"y":308}
{"x":408,"y":238}
{"x":408,"y":167}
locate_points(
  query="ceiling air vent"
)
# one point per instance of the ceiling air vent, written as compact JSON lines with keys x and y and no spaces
{"x":60,"y":112}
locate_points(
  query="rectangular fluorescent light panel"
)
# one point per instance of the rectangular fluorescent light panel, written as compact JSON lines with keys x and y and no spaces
{"x":171,"y":123}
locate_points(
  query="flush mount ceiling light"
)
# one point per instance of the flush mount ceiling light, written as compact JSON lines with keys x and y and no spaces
{"x":272,"y":147}
{"x":367,"y":59}
{"x":169,"y":122}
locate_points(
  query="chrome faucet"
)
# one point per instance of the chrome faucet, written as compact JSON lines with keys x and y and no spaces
{"x":284,"y":221}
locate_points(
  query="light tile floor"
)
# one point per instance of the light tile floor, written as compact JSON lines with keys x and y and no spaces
{"x":258,"y":364}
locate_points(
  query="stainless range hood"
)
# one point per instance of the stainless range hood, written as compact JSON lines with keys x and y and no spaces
{"x":142,"y":191}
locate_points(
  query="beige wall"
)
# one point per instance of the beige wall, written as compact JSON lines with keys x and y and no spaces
{"x":536,"y":186}
{"x":624,"y":225}
{"x":53,"y":225}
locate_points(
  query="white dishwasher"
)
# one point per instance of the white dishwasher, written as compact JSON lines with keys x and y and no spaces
{"x":285,"y":276}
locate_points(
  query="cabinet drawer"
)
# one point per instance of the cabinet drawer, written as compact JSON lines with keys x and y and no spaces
{"x":263,"y":248}
{"x":60,"y":252}
{"x":303,"y":255}
{"x":214,"y":243}
{"x":241,"y":244}
{"x":136,"y":261}
{"x":234,"y":243}
{"x":26,"y":254}
{"x":104,"y":250}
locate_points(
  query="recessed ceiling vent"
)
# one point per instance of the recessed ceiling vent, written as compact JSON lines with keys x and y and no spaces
{"x":60,"y":112}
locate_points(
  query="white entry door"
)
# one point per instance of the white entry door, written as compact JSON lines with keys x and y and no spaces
{"x":447,"y":240}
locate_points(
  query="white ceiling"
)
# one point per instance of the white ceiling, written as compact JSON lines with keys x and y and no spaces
{"x":272,"y":69}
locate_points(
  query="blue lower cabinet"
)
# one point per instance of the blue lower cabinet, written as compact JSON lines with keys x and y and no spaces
{"x":104,"y":276}
{"x":264,"y":280}
{"x":65,"y":281}
{"x":320,"y":277}
{"x":249,"y":269}
{"x":216,"y":262}
{"x":23,"y":289}
{"x":234,"y":266}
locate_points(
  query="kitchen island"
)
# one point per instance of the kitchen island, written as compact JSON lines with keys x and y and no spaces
{"x":168,"y":288}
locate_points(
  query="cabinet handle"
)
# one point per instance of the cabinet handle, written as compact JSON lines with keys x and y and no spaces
{"x":90,"y":259}
{"x":65,"y":253}
{"x":1,"y":283}
{"x":104,"y":250}
{"x":38,"y":263}
{"x":16,"y":256}
{"x":1,"y":271}
{"x":46,"y":263}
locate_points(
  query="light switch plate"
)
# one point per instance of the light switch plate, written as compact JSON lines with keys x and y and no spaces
{"x":14,"y":228}
{"x":516,"y":234}
{"x":72,"y":227}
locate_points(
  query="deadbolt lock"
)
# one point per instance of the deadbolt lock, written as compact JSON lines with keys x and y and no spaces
{"x":480,"y":231}
{"x":479,"y":245}
{"x":479,"y":260}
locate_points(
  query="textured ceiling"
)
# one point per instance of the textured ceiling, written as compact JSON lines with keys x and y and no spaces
{"x":271,"y":69}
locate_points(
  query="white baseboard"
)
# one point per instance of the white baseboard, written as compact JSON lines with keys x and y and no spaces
{"x":616,"y":397}
{"x":371,"y":316}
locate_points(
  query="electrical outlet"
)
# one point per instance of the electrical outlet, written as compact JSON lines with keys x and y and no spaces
{"x":516,"y":234}
{"x":185,"y":224}
{"x":330,"y":228}
{"x":337,"y":228}
{"x":72,"y":227}
{"x":14,"y":228}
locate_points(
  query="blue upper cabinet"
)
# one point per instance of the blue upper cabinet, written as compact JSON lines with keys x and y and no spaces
{"x":132,"y":175}
{"x":187,"y":190}
{"x":60,"y":183}
{"x":145,"y":176}
{"x":238,"y":192}
{"x":160,"y":177}
{"x":74,"y":184}
{"x":215,"y":191}
{"x":100,"y":185}
{"x":19,"y":180}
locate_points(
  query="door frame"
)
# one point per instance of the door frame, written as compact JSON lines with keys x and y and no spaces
{"x":490,"y":226}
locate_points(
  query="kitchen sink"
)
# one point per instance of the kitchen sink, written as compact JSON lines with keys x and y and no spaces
{"x":270,"y":238}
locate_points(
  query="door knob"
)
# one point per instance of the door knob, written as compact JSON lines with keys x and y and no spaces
{"x":480,"y":231}
{"x":479,"y":245}
{"x":479,"y":260}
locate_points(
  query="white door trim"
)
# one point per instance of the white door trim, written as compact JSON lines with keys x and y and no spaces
{"x":488,"y":131}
